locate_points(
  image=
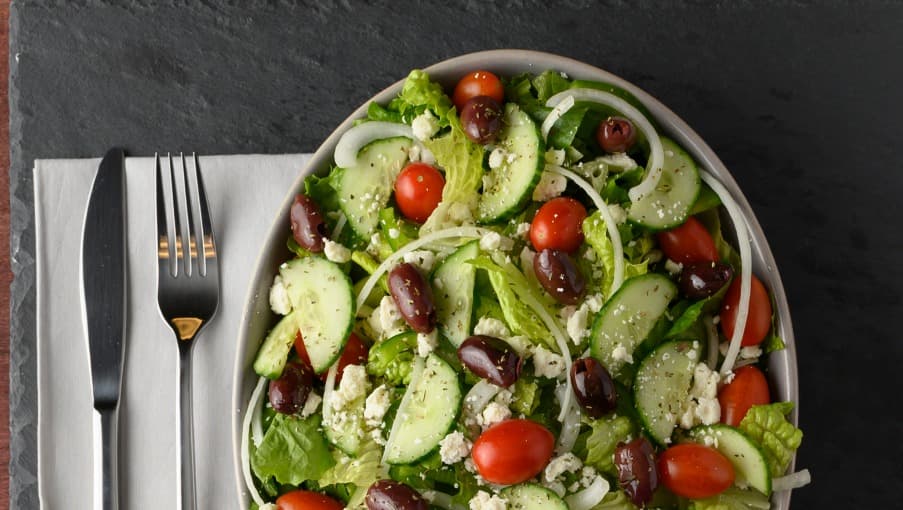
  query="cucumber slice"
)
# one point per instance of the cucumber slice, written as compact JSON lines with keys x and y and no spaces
{"x":348,"y":434}
{"x":746,"y":456}
{"x":628,"y":317}
{"x":453,"y":283}
{"x":669,"y":205}
{"x":274,"y":352}
{"x":531,"y":496}
{"x":426,"y":413}
{"x":662,"y":387}
{"x":323,"y":303}
{"x":510,"y":186}
{"x":364,"y":190}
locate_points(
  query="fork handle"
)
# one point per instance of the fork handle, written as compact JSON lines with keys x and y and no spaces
{"x":106,"y":458}
{"x":187,"y":496}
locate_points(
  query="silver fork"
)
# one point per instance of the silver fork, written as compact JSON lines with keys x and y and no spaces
{"x":187,"y":286}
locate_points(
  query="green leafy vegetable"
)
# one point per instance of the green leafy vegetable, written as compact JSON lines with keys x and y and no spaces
{"x":733,"y":498}
{"x":361,"y":471}
{"x":430,"y":474}
{"x":393,"y":358}
{"x":603,"y":439}
{"x":615,"y":500}
{"x":712,"y":222}
{"x":779,"y":439}
{"x":525,"y":396}
{"x":596,"y":235}
{"x":419,"y":93}
{"x":509,"y":285}
{"x":706,"y":200}
{"x":292,"y":451}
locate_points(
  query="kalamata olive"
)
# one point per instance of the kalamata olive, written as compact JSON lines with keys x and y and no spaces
{"x":637,"y":470}
{"x":559,"y":276}
{"x":392,"y":495}
{"x":491,"y":358}
{"x":702,"y":279}
{"x":616,"y":134}
{"x":289,"y":392}
{"x":308,"y":228}
{"x":593,"y":387}
{"x":413,"y":297}
{"x":481,"y":119}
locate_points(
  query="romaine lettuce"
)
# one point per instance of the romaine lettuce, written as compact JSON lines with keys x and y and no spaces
{"x":596,"y":235}
{"x":293,"y":450}
{"x":779,"y":439}
{"x":605,"y":435}
{"x":733,"y":499}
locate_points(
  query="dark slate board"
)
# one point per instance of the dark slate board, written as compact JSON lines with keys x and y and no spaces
{"x":802,"y":102}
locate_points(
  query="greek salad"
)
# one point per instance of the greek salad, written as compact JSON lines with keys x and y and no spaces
{"x":516,"y":294}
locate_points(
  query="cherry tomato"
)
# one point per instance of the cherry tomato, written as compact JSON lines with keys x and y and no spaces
{"x":758,"y":322}
{"x":418,"y":190}
{"x":512,"y":451}
{"x":355,"y":353}
{"x":695,"y":471}
{"x":478,"y":83}
{"x":688,"y":243}
{"x":307,"y":500}
{"x":748,"y":388}
{"x":558,"y":225}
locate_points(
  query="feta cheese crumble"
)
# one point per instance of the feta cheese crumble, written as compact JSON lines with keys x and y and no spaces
{"x":494,"y":412}
{"x":279,"y":301}
{"x":454,"y":448}
{"x":311,"y":405}
{"x":495,"y":241}
{"x":427,"y":342}
{"x":386,"y":321}
{"x":352,"y":387}
{"x":566,"y":462}
{"x":550,"y":186}
{"x":484,"y":501}
{"x":336,"y":252}
{"x":702,"y":407}
{"x":497,"y":157}
{"x":424,"y":126}
{"x":620,"y":354}
{"x":376,"y":405}
{"x":546,"y":363}
{"x":490,"y":326}
{"x":423,"y":259}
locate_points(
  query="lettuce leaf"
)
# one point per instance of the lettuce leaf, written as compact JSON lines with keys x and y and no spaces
{"x":419,"y":93}
{"x":733,"y":498}
{"x":605,"y":435}
{"x":615,"y":500}
{"x":779,"y":439}
{"x":361,"y":471}
{"x":525,"y":396}
{"x":596,"y":235}
{"x":292,"y":451}
{"x":430,"y":473}
{"x":509,"y":283}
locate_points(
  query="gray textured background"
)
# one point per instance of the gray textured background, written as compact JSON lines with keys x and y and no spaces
{"x":801,"y":100}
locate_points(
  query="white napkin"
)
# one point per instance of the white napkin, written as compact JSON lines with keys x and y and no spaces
{"x":244,"y":193}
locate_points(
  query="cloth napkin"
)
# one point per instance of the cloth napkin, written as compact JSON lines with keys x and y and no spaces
{"x":244,"y":193}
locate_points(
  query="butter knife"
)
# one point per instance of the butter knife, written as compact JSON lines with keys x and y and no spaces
{"x":103,"y":267}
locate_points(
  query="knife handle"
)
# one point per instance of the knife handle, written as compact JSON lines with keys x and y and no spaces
{"x":106,"y":458}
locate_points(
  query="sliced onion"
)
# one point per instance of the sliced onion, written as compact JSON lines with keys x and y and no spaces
{"x":453,"y":232}
{"x":610,"y":224}
{"x":560,"y":340}
{"x":791,"y":481}
{"x":245,"y":433}
{"x":713,"y":342}
{"x":560,"y":109}
{"x":416,"y":373}
{"x":328,"y":390}
{"x":733,"y":210}
{"x":570,"y":426}
{"x":479,"y":397}
{"x":442,"y":500}
{"x":656,"y":152}
{"x":590,"y":496}
{"x":339,"y":225}
{"x":353,"y":140}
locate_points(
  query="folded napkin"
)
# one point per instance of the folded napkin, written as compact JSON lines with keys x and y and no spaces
{"x":244,"y":194}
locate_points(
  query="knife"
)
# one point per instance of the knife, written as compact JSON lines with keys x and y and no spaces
{"x":103,"y":290}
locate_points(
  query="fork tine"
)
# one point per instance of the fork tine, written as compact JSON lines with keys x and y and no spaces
{"x":180,"y":213}
{"x":190,"y":208}
{"x":166,"y":248}
{"x":207,"y":242}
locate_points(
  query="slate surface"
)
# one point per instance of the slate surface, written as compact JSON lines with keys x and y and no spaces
{"x":801,"y":100}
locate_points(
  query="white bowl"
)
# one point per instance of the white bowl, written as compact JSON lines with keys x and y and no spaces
{"x":257,"y":317}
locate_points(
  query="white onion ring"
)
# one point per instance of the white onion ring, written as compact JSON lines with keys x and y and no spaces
{"x":560,"y":109}
{"x":791,"y":481}
{"x":590,"y":496}
{"x":245,"y":432}
{"x":656,"y":152}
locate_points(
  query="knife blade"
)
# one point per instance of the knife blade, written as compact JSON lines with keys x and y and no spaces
{"x":104,"y":299}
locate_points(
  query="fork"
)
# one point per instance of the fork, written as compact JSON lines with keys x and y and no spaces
{"x":187,"y":286}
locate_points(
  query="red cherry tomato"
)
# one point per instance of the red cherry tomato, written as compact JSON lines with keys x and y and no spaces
{"x":512,"y":451}
{"x":758,"y":322}
{"x":478,"y":83}
{"x":418,"y":190}
{"x":355,"y":353}
{"x":307,"y":500}
{"x":558,"y":225}
{"x":688,"y":243}
{"x":695,"y":471}
{"x":748,"y":388}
